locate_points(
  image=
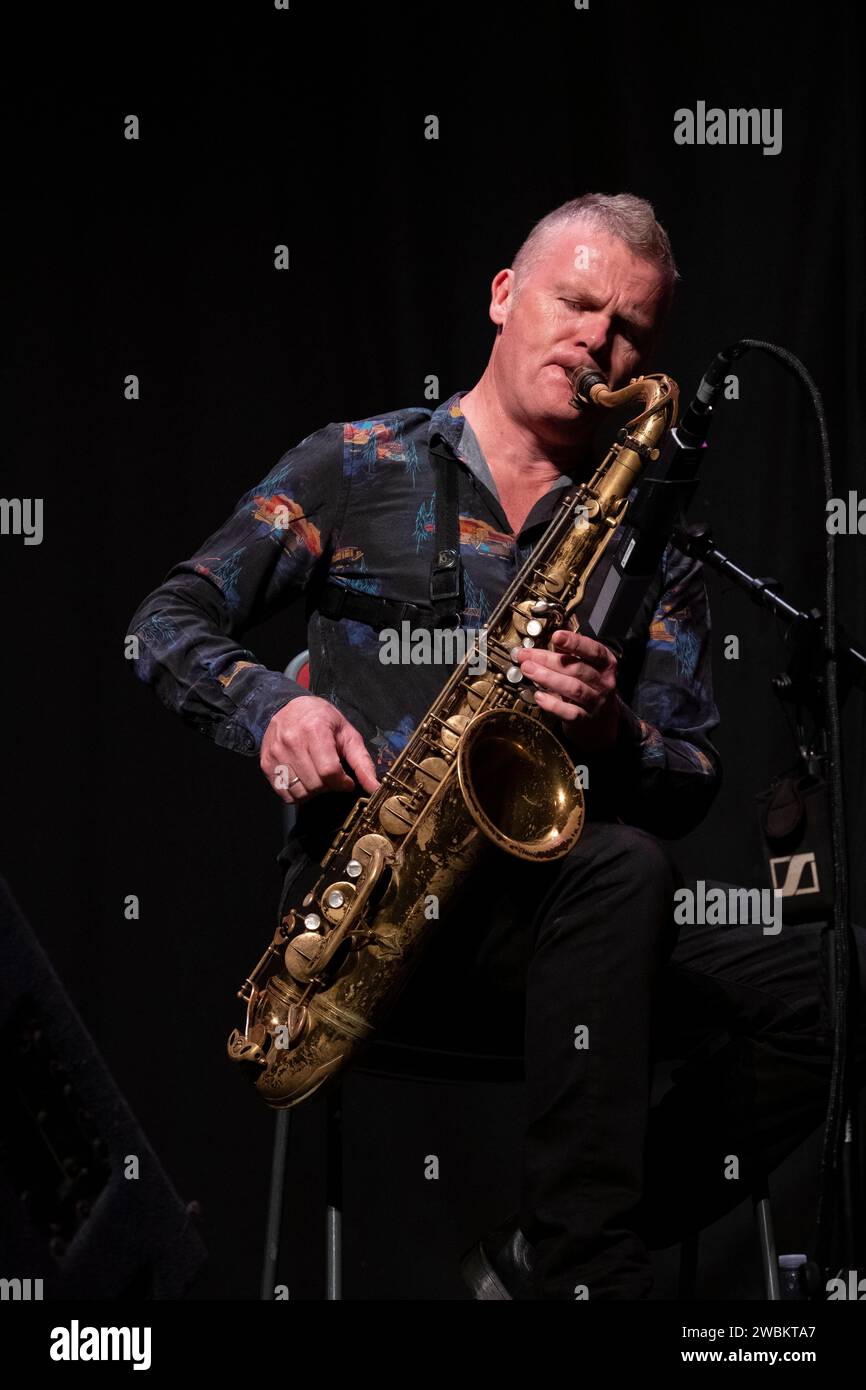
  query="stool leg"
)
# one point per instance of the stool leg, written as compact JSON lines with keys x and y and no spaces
{"x":275,"y":1204}
{"x":334,"y":1191}
{"x":766,"y":1240}
{"x":848,"y":1188}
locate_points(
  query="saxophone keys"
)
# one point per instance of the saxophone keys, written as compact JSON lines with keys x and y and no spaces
{"x":281,"y":1018}
{"x":289,"y":1033}
{"x":477,"y":693}
{"x":515,"y":651}
{"x":244,"y":1049}
{"x":452,"y":730}
{"x":430,"y":773}
{"x":336,"y":899}
{"x":302,"y":955}
{"x":354,"y":868}
{"x":532,"y":617}
{"x":394,"y":818}
{"x":257,"y":1034}
{"x":514,"y":675}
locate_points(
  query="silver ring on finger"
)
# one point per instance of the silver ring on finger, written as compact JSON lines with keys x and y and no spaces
{"x":293,"y":781}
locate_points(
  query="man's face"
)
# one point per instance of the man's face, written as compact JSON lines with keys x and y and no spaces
{"x":588,"y":301}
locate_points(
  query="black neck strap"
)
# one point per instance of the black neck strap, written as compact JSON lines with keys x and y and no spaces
{"x":445,"y":566}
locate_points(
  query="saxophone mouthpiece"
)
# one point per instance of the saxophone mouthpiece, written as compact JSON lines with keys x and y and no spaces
{"x":582,"y":380}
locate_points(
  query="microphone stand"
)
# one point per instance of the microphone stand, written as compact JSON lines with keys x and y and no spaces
{"x":808,"y":627}
{"x":814,"y":679}
{"x":803,"y":686}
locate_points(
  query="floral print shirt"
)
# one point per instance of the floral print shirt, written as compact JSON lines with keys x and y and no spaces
{"x":356,"y":502}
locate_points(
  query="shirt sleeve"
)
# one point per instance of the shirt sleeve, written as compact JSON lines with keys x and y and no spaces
{"x":259,"y":560}
{"x":664,"y":771}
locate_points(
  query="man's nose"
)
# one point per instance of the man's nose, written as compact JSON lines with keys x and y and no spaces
{"x":592,"y":333}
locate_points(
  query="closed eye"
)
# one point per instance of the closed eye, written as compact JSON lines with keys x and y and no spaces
{"x":634,"y":334}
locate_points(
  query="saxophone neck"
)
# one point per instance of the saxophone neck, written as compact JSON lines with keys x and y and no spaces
{"x":637,"y":442}
{"x":589,"y":387}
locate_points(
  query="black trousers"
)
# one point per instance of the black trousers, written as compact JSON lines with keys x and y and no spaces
{"x":580,"y":962}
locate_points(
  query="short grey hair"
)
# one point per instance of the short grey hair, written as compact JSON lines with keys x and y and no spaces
{"x":632,"y":220}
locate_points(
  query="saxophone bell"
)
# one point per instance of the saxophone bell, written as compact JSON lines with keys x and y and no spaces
{"x":520,"y":786}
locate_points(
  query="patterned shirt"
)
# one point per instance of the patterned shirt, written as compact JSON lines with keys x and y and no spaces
{"x":356,"y":502}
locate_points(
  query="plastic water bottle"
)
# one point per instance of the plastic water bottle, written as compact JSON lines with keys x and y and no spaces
{"x":792,"y":1276}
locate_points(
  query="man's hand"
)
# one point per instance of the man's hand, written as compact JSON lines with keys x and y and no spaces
{"x":577,"y":681}
{"x":306,"y":739}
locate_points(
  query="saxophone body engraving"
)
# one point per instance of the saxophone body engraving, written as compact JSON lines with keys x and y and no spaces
{"x":483,"y":766}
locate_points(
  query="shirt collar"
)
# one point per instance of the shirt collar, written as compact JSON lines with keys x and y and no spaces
{"x":447,"y":422}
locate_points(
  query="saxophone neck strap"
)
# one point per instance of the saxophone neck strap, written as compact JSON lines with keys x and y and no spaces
{"x":445,"y":567}
{"x":445,"y":585}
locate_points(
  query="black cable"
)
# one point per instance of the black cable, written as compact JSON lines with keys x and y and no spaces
{"x":838,"y":1096}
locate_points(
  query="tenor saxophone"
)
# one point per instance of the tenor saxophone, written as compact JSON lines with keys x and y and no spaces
{"x":482,"y":766}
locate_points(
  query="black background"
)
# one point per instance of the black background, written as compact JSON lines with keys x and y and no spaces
{"x":155,"y":257}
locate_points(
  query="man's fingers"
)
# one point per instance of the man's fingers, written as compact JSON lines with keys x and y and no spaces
{"x":564,"y":662}
{"x":330,"y":771}
{"x":567,"y":710}
{"x":306,"y":749}
{"x":567,"y":686}
{"x":586,"y":648}
{"x":355,"y":753}
{"x":291,"y":763}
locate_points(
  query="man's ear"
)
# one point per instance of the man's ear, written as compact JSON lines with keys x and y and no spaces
{"x":501,"y":286}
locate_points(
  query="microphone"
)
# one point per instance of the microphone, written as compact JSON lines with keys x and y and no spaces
{"x":694,"y":426}
{"x":663,"y":496}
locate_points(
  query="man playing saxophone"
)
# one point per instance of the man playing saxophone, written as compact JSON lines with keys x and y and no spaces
{"x":585,"y":947}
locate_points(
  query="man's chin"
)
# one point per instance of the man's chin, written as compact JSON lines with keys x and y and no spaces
{"x":559,"y":391}
{"x":557,"y":404}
